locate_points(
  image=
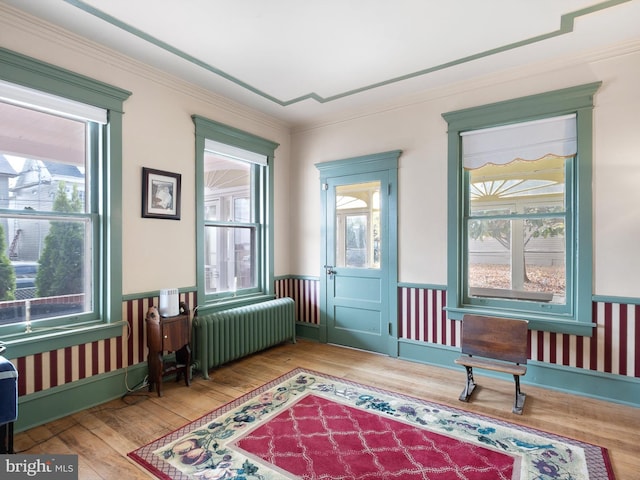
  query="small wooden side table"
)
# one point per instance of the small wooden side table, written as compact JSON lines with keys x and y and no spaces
{"x":168,"y":334}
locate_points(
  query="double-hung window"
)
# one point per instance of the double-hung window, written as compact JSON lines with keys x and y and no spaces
{"x":520,"y":210}
{"x":235,"y":246}
{"x":60,"y":173}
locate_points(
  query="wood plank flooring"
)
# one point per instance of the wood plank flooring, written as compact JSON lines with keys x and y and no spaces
{"x":102,"y":436}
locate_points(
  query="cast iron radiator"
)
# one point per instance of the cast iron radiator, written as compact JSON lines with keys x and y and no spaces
{"x":227,"y":335}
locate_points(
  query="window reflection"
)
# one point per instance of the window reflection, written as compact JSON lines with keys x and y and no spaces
{"x":516,"y":230}
{"x":358,"y":225}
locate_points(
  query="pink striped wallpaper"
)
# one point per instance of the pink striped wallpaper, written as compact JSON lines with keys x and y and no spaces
{"x":614,"y":348}
{"x":57,"y":367}
{"x":421,"y":317}
{"x":306,"y":293}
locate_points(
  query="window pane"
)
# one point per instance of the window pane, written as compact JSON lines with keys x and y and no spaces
{"x":358,"y":225}
{"x":227,"y":192}
{"x":511,"y":188}
{"x":229,"y":258}
{"x":489,"y":254}
{"x":509,"y":257}
{"x":39,"y":151}
{"x":46,"y":274}
{"x":39,"y":181}
{"x":47,"y":260}
{"x":241,"y":210}
{"x":515,"y":243}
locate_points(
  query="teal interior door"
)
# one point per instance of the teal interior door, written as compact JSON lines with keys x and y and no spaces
{"x":357,"y":261}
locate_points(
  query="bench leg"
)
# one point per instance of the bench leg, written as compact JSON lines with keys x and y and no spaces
{"x":469,"y":387}
{"x":520,"y":397}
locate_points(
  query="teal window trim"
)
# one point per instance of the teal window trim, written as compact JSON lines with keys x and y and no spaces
{"x":577,"y":319}
{"x":218,"y":132}
{"x":29,"y":72}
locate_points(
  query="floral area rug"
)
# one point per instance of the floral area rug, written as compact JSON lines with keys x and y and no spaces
{"x":314,"y":426}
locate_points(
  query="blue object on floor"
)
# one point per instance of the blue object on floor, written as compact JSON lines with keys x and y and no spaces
{"x":8,"y":404}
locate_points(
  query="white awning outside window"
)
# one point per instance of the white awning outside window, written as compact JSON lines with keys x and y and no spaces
{"x":234,"y":153}
{"x":520,"y":141}
{"x":45,"y":102}
{"x":40,"y":126}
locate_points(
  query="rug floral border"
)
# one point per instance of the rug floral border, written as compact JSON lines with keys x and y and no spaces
{"x":204,"y":449}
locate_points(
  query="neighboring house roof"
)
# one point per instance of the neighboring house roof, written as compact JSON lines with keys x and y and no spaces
{"x":40,"y":171}
{"x":30,"y":175}
{"x":6,"y":168}
{"x":62,"y":169}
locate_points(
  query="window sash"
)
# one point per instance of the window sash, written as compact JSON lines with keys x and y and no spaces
{"x":507,"y":299}
{"x":227,"y":219}
{"x":34,"y":218}
{"x":226,"y":276}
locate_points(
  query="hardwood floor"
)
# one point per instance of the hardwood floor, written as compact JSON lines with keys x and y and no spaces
{"x":103,"y":435}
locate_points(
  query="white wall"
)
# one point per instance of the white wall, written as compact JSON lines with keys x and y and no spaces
{"x":158,"y":133}
{"x":416,"y":127}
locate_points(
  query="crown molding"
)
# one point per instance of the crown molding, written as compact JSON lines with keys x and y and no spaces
{"x":478,"y":84}
{"x":566,"y":26}
{"x":12,"y":18}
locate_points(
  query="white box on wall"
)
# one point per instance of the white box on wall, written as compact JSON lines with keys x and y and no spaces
{"x":169,"y":302}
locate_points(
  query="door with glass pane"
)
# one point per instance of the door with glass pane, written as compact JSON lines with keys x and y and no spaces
{"x":357,"y":310}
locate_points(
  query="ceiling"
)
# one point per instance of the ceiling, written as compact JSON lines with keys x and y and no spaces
{"x":305,"y":60}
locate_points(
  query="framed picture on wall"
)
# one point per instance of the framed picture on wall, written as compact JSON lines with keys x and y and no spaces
{"x":160,"y":194}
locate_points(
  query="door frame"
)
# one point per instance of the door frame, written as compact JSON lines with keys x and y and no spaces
{"x":385,"y":161}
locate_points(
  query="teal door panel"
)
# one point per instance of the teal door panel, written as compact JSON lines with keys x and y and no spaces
{"x":358,"y":275}
{"x":356,"y":225}
{"x":358,"y":320}
{"x":357,"y":288}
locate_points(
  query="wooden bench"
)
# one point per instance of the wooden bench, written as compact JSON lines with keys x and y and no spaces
{"x":498,"y":344}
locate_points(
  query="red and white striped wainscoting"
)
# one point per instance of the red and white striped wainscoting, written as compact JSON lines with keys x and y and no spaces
{"x":613,"y":348}
{"x":306,"y":293}
{"x":57,"y":367}
{"x":421,"y":316}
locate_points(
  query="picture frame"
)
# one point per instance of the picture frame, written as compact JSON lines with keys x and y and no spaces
{"x":161,"y":194}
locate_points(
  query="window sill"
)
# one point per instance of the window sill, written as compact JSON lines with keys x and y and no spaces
{"x":54,"y":338}
{"x":536,"y":322}
{"x":510,"y":294}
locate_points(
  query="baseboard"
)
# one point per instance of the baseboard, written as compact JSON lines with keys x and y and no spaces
{"x":57,"y":402}
{"x":586,"y":383}
{"x":307,"y":330}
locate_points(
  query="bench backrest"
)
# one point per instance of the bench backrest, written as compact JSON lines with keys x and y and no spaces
{"x":493,"y":337}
